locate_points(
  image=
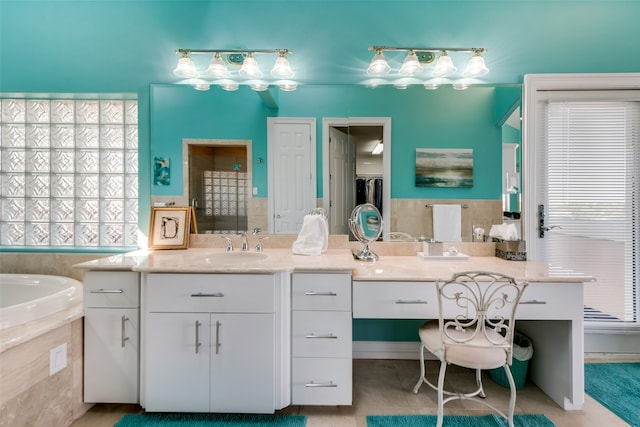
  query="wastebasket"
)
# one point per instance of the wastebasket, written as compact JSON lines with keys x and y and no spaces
{"x":522,"y":353}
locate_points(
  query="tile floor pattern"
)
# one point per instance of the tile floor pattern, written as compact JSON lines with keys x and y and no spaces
{"x":383,"y":387}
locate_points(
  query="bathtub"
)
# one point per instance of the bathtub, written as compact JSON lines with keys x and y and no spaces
{"x":31,"y":304}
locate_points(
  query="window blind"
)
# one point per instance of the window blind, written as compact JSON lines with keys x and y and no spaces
{"x":592,"y":164}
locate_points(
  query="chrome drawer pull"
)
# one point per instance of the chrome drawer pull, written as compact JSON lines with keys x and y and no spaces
{"x":107,"y":291}
{"x":123,"y":337}
{"x":321,"y":336}
{"x":216,"y":295}
{"x":414,"y":301}
{"x":321,"y":294}
{"x":197,"y":336}
{"x":533,"y":301}
{"x":329,"y":384}
{"x":218,"y":337}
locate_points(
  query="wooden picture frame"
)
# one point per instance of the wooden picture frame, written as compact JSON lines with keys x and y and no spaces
{"x":170,"y":227}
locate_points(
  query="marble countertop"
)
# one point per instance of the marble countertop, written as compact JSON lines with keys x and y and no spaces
{"x":415,"y":268}
{"x":387,"y":268}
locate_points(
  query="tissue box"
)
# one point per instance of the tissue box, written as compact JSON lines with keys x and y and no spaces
{"x":432,"y":248}
{"x":512,"y":250}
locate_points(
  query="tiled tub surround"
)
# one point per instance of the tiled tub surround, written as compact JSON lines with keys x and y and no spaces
{"x":28,"y":394}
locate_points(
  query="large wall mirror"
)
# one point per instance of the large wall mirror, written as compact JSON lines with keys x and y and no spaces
{"x":400,"y":121}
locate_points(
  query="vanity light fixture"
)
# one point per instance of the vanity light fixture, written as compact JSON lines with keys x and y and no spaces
{"x":221,"y":68}
{"x":419,"y":57}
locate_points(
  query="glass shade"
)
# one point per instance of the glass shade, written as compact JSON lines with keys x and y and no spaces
{"x":288,"y":85}
{"x":185,"y":68}
{"x":250,"y":68}
{"x":259,"y":85}
{"x":200,"y":84}
{"x":432,"y":84}
{"x":461,"y":84}
{"x":217,"y":67}
{"x":281,"y":69}
{"x":444,"y":66}
{"x":378,"y":66}
{"x":228,"y":85}
{"x":411,"y":65}
{"x":476,"y":66}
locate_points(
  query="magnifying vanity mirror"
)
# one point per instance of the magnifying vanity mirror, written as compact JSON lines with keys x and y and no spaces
{"x":366,"y":225}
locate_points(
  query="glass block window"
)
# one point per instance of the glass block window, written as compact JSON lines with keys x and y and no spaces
{"x":68,"y":173}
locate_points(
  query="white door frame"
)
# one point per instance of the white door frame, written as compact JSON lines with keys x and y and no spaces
{"x":385,"y":122}
{"x":271,"y":122}
{"x":534,"y":84}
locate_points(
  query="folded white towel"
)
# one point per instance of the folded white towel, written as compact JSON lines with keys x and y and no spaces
{"x":313,"y":238}
{"x":504,"y":231}
{"x":447,"y":223}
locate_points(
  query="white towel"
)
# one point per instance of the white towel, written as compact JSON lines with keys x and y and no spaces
{"x":447,"y":223}
{"x":313,"y":238}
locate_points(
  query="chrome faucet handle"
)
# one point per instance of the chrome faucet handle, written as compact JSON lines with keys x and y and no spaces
{"x":259,"y":244}
{"x":229,"y":247}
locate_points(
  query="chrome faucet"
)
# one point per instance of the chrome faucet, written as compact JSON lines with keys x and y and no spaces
{"x":245,"y":242}
{"x":229,"y":247}
{"x":259,"y":244}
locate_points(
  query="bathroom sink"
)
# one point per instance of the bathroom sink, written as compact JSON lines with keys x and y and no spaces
{"x":233,"y":258}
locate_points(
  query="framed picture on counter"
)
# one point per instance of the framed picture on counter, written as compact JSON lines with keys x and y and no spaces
{"x":170,"y":227}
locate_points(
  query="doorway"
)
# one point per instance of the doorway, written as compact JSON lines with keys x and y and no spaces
{"x":217,"y":180}
{"x":353,"y":173}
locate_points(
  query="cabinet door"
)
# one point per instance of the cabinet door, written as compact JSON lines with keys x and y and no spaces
{"x":177,"y":362}
{"x":111,"y":348}
{"x":242,"y":363}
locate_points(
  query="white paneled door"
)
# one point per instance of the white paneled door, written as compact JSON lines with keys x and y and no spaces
{"x":292,"y":172}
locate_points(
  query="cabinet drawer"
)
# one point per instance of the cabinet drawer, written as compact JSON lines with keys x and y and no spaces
{"x":222,"y":293}
{"x":542,"y":301}
{"x":321,"y":334}
{"x":115,"y":289}
{"x":394,"y":300}
{"x":319,"y":291}
{"x":321,"y":381}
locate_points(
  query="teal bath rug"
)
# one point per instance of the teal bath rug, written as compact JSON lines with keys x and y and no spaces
{"x":210,"y":420}
{"x":617,"y":387}
{"x":535,"y":420}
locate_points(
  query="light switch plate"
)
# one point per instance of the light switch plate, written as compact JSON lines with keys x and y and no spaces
{"x":57,"y":359}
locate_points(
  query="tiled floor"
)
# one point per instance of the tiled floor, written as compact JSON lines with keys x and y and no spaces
{"x":383,"y":387}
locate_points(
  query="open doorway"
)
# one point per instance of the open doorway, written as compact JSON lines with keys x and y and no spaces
{"x":356,"y":159}
{"x":217,"y":180}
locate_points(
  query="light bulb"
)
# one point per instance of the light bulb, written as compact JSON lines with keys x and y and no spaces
{"x":281,"y":69}
{"x":185,"y":68}
{"x":217,"y":67}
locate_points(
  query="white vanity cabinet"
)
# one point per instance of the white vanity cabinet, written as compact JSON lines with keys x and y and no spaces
{"x":111,"y":336}
{"x":211,"y":342}
{"x":321,"y":330}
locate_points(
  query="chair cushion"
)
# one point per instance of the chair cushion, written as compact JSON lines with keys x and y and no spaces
{"x":478,"y":353}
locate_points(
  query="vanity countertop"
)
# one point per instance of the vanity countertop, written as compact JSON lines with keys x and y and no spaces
{"x":414,"y":268}
{"x":387,"y":268}
{"x":216,"y":260}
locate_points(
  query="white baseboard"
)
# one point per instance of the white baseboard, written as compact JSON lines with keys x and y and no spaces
{"x":406,"y":350}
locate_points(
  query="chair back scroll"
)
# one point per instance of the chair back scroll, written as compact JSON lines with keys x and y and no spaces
{"x":478,"y":309}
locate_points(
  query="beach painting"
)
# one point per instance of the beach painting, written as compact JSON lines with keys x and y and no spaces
{"x":444,"y":167}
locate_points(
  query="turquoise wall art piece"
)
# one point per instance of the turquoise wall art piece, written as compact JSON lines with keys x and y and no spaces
{"x":444,"y":167}
{"x":161,"y":171}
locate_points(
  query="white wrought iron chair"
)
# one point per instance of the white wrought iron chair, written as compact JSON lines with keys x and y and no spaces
{"x":474,"y":330}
